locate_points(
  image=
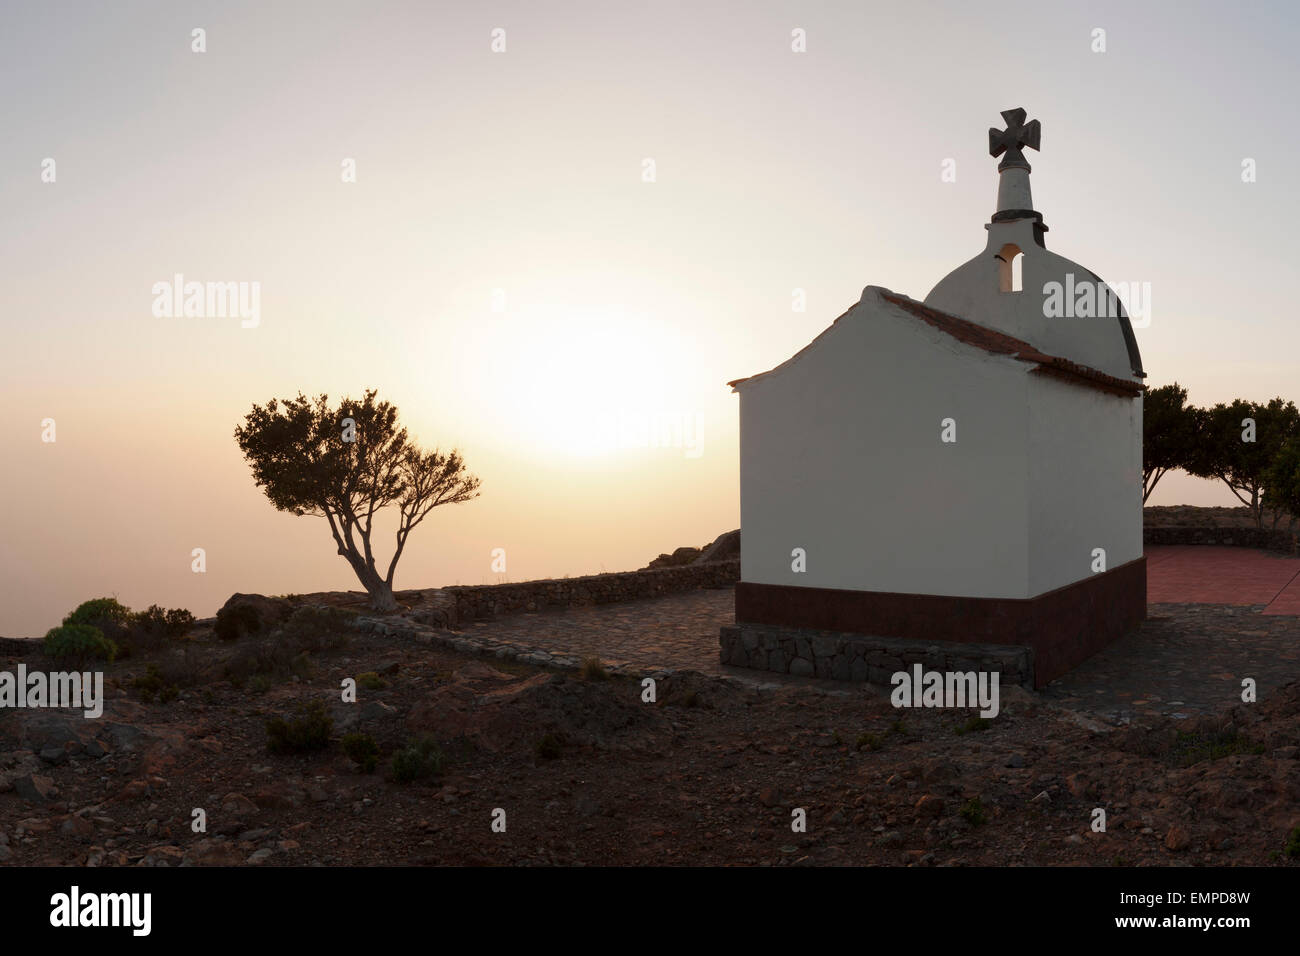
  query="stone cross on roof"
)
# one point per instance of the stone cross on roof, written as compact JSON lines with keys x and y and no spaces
{"x":1018,"y":134}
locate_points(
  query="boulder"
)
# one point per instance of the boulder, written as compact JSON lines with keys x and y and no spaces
{"x":252,"y":614}
{"x":725,"y":547}
{"x":679,"y":558}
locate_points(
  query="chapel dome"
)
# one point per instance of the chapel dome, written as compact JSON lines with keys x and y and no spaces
{"x":1018,"y":287}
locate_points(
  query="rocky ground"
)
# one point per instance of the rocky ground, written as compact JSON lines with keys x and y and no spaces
{"x":588,"y":773}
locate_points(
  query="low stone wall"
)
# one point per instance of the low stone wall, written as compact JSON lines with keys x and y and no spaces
{"x":484,"y":645}
{"x":854,"y":657}
{"x":1284,"y":542}
{"x":473,"y":603}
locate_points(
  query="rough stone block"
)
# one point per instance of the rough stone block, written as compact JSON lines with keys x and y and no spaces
{"x":801,"y":667}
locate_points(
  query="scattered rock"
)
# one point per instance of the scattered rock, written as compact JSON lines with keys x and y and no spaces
{"x":35,"y":788}
{"x":1177,"y":839}
{"x":214,"y":853}
{"x":135,"y":790}
{"x":238,"y":805}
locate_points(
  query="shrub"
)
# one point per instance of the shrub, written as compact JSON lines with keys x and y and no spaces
{"x":181,"y":666}
{"x":308,"y":730}
{"x":259,"y":684}
{"x":973,"y":812}
{"x":154,"y":686}
{"x":418,"y":760}
{"x":76,"y":644}
{"x":178,"y":621}
{"x":371,"y":681}
{"x":1292,"y":846}
{"x":362,"y":749}
{"x":974,"y":725}
{"x":102,"y":613}
{"x":549,"y":747}
{"x":151,"y":628}
{"x":236,"y":622}
{"x":593,"y":669}
{"x":264,"y":658}
{"x":1192,"y":746}
{"x":870,"y":741}
{"x":317,"y":628}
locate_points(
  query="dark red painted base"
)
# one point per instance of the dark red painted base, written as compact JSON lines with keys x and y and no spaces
{"x":1063,"y":627}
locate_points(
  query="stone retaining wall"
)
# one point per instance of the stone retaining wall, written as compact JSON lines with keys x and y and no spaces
{"x":841,"y":656}
{"x":1285,"y":542}
{"x":486,"y":646}
{"x":473,"y":603}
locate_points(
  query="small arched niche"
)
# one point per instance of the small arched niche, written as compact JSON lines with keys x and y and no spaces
{"x":1011,"y":262}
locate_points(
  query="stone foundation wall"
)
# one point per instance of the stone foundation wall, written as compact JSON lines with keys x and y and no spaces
{"x":1284,"y":542}
{"x":472,"y":603}
{"x":854,"y":657}
{"x":1063,"y":627}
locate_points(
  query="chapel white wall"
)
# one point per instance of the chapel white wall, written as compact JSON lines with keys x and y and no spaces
{"x":841,"y":455}
{"x":1085,"y":481}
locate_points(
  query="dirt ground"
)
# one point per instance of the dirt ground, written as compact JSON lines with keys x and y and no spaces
{"x":583,"y":771}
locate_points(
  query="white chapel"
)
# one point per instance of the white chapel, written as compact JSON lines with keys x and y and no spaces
{"x":964,"y":468}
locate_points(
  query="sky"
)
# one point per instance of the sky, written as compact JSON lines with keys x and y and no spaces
{"x":555,"y":250}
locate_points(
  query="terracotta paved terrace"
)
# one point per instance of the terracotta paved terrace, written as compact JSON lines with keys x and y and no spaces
{"x":1216,"y":614}
{"x":1203,"y":574}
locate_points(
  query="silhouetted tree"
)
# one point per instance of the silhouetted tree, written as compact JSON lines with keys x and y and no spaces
{"x":1222,"y":450}
{"x":1169,"y":427}
{"x":345,"y":465}
{"x":1282,"y":483}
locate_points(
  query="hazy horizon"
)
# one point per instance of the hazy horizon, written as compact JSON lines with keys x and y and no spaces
{"x":501,"y":272}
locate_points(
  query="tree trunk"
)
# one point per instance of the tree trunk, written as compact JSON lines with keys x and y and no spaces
{"x":381,"y":594}
{"x":381,"y":597}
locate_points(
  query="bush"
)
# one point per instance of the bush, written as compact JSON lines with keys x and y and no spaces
{"x":152,"y":628}
{"x":371,"y":681}
{"x":236,"y":622}
{"x":1292,"y":846}
{"x":101,"y":613}
{"x":870,"y":741}
{"x":309,"y":730}
{"x":154,"y":686}
{"x":419,"y":760}
{"x":178,"y":621}
{"x":362,"y":749}
{"x":181,"y":666}
{"x":263,"y":658}
{"x":75,"y":644}
{"x":973,"y":812}
{"x":973,"y":725}
{"x":1191,"y":747}
{"x":109,"y":617}
{"x":317,"y":628}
